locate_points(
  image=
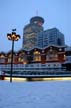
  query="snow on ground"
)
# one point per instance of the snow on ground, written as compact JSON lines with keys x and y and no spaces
{"x":47,"y":94}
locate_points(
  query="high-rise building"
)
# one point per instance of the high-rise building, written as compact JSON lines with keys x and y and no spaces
{"x":35,"y":36}
{"x":50,"y":37}
{"x":30,"y":32}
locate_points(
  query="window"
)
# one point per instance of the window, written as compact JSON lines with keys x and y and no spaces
{"x":59,"y":41}
{"x":37,"y":56}
{"x":2,"y":60}
{"x":9,"y":60}
{"x":64,"y":57}
{"x":48,"y":65}
{"x":54,"y":64}
{"x":22,"y":58}
{"x":51,"y":55}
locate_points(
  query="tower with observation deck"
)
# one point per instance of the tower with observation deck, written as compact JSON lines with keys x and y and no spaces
{"x":30,"y":32}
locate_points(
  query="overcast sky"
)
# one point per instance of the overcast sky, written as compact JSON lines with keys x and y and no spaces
{"x":17,"y":13}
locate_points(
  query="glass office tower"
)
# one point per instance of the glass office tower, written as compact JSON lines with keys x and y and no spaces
{"x":50,"y":37}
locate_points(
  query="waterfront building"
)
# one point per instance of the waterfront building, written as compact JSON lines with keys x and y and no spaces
{"x":41,"y":50}
{"x":50,"y":57}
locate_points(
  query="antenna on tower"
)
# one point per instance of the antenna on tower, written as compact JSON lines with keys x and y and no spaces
{"x":36,"y":12}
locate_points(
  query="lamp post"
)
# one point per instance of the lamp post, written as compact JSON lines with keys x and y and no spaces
{"x":13,"y":37}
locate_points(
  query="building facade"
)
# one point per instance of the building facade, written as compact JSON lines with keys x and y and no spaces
{"x":50,"y":57}
{"x":34,"y":35}
{"x":41,"y":50}
{"x":50,"y":37}
{"x":30,"y":32}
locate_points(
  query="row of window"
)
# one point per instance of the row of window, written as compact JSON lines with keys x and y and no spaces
{"x":27,"y":66}
{"x":35,"y":58}
{"x":51,"y":55}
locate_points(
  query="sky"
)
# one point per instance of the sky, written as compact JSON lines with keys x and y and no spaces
{"x":17,"y":13}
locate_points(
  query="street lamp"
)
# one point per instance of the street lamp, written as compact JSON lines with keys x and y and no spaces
{"x":13,"y":37}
